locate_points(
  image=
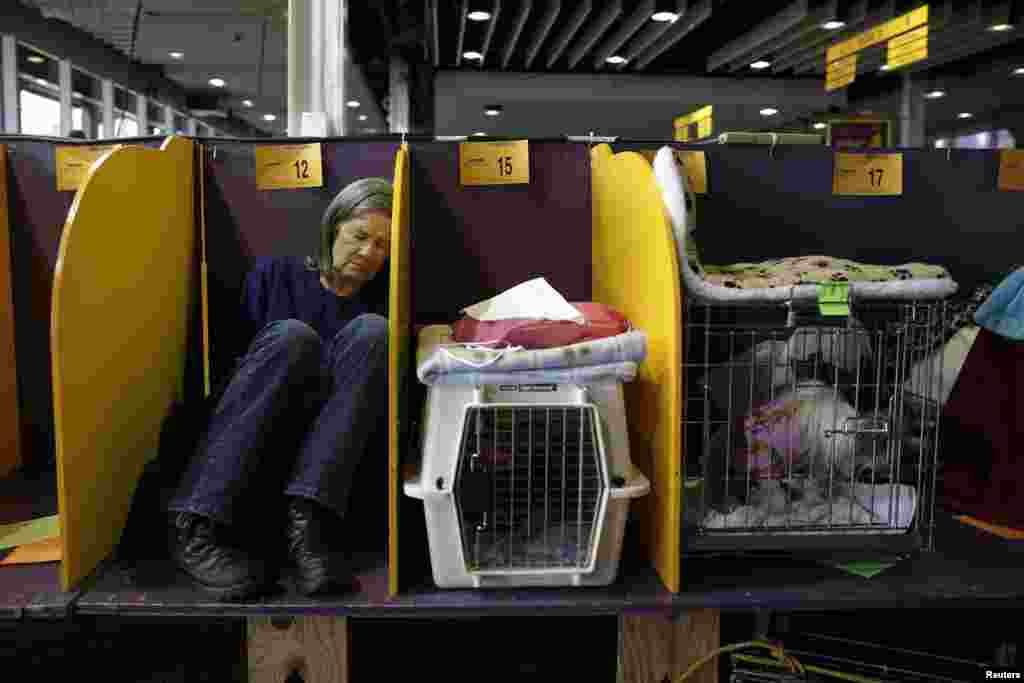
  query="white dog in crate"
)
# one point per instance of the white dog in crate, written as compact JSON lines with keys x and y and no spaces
{"x":799,"y":445}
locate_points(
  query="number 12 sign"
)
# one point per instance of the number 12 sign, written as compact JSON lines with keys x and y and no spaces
{"x":494,"y":163}
{"x":284,"y":167}
{"x":867,"y":174}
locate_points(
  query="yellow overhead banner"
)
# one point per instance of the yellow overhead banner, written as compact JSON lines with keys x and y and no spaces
{"x":703,"y":117}
{"x":909,"y":48}
{"x":841,"y":72}
{"x":879,"y":34}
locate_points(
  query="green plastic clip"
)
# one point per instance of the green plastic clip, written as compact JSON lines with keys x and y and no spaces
{"x":834,"y":298}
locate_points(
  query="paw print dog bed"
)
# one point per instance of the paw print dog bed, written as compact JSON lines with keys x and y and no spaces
{"x":783,"y":279}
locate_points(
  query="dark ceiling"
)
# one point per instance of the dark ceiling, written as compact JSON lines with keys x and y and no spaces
{"x":244,"y":41}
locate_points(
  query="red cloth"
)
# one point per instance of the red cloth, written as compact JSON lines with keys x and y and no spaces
{"x":982,"y":438}
{"x":531,"y":333}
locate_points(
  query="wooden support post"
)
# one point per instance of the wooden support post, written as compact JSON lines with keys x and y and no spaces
{"x":310,"y":649}
{"x":656,"y":649}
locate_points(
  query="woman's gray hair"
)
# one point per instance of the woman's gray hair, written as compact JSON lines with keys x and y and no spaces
{"x":367,"y":193}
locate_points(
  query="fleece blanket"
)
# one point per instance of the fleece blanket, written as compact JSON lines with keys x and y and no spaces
{"x":440,"y":360}
{"x":806,"y":270}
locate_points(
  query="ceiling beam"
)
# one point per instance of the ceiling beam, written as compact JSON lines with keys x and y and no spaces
{"x":561,"y":41}
{"x":646,"y":37}
{"x":784,"y":21}
{"x":463,"y":7}
{"x":694,"y":17}
{"x":546,"y":22}
{"x":495,"y":11}
{"x":857,"y":16}
{"x":601,"y":24}
{"x":811,"y":26}
{"x":517,"y":30}
{"x":641,"y":16}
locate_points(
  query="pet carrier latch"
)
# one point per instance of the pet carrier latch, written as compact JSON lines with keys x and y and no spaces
{"x":475,"y":491}
{"x":862,"y":426}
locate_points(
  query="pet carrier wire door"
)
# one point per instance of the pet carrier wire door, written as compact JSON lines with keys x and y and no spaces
{"x":525,"y":484}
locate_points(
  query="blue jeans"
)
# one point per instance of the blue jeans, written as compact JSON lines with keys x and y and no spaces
{"x":295,"y":420}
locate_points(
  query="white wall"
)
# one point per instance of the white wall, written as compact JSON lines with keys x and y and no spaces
{"x":626,"y":105}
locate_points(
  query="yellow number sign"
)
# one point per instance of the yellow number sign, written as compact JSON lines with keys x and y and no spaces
{"x":286,"y":167}
{"x":867,"y":174}
{"x":906,"y":49}
{"x":494,"y":163}
{"x":74,"y":161}
{"x":1011,"y":169}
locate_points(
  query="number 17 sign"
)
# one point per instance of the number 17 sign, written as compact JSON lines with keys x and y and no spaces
{"x":867,"y":174}
{"x":285,"y":167}
{"x":494,"y":163}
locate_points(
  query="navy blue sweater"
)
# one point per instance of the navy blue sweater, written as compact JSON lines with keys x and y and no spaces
{"x":282,"y":288}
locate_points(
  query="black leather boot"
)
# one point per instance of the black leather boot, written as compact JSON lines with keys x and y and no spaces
{"x":311,"y":530}
{"x":200,"y":549}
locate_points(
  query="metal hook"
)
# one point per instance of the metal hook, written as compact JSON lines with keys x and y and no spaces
{"x":949,"y":153}
{"x":403,"y":138}
{"x":214,"y":148}
{"x":775,"y":141}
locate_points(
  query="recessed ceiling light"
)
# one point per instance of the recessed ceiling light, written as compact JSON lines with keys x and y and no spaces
{"x":269,"y":117}
{"x":616,"y":59}
{"x":935,"y":94}
{"x":1019,"y":71}
{"x":479,"y":134}
{"x":217,"y":82}
{"x":247,"y":103}
{"x":833,"y":25}
{"x":769,"y":111}
{"x":352,"y":103}
{"x":177,"y":55}
{"x":665,"y":16}
{"x":884,"y":67}
{"x":363,"y":117}
{"x":1001,"y":27}
{"x":476,"y":56}
{"x":36,"y":59}
{"x":478,"y":16}
{"x":493,"y":110}
{"x":760,"y":64}
{"x":820,"y":125}
{"x":965,"y":115}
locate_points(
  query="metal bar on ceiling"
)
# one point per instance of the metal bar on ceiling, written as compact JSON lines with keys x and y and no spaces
{"x":857,"y":16}
{"x":463,"y":8}
{"x":517,"y":30}
{"x":602,"y":23}
{"x":569,"y":29}
{"x":546,"y":23}
{"x":694,"y":17}
{"x":777,"y":25}
{"x":944,"y":32}
{"x":810,"y":26}
{"x":648,"y":35}
{"x":641,"y":16}
{"x":495,"y":11}
{"x":436,"y":31}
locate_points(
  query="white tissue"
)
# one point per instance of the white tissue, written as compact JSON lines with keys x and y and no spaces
{"x":531,"y":299}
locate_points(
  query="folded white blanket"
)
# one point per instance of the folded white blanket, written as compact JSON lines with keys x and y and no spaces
{"x":440,"y":360}
{"x":881,"y":504}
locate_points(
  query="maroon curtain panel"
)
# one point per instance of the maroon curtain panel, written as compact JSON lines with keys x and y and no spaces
{"x":983,"y":434}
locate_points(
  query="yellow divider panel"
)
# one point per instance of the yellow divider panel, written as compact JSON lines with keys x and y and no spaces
{"x":121,"y":297}
{"x":399,"y":328}
{"x":10,"y":439}
{"x":635,"y":270}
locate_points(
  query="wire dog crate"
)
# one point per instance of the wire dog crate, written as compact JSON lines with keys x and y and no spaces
{"x":525,"y":484}
{"x":811,"y":433}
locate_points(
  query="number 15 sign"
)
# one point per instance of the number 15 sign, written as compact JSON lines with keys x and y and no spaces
{"x":494,"y":163}
{"x":867,"y":174}
{"x":283,"y":167}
